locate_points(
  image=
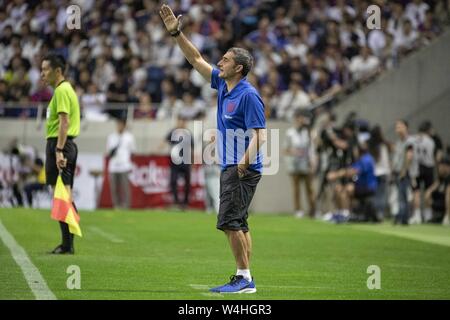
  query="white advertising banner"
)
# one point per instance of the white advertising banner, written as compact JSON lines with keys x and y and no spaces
{"x":88,"y":179}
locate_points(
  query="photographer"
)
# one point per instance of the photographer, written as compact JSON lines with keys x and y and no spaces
{"x":360,"y":182}
{"x":339,"y":146}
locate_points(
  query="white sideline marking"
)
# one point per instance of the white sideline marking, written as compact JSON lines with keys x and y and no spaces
{"x":212,"y":294}
{"x":32,"y":275}
{"x":406,"y":234}
{"x":199,"y":286}
{"x":106,"y":235}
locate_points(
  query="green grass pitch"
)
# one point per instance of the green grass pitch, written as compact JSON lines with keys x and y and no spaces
{"x":178,"y":255}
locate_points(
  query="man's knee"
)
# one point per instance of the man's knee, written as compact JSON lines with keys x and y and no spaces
{"x":350,"y":189}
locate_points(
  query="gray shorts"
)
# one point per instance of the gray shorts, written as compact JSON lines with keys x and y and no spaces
{"x":235,"y":197}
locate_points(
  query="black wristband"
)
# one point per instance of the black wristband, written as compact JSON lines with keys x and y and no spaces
{"x":59,"y":149}
{"x":176,"y":33}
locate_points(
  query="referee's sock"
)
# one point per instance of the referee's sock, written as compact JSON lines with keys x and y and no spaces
{"x":245,"y":273}
{"x":67,"y":237}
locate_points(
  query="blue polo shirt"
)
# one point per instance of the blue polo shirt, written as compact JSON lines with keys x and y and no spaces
{"x":238,"y":111}
{"x":366,"y":172}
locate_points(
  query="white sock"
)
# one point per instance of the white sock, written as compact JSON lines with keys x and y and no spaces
{"x":417,"y":213}
{"x":245,"y":273}
{"x":428,"y":214}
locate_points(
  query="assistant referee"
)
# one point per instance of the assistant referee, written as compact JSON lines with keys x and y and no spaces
{"x":63,"y":126}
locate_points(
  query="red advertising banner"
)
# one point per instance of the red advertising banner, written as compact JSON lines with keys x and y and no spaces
{"x":150,"y":184}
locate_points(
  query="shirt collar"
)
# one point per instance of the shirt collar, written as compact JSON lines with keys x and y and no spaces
{"x":241,"y":83}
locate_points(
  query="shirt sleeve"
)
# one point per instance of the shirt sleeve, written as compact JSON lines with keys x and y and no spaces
{"x":62,"y":101}
{"x":254,"y":112}
{"x":215,"y":80}
{"x":409,"y":144}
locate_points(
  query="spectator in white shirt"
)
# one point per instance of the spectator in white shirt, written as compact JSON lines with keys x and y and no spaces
{"x":31,"y":47}
{"x":297,"y":48}
{"x":406,"y":39}
{"x":397,"y":18}
{"x":5,"y":20}
{"x":416,"y":12}
{"x":292,"y":99}
{"x":120,"y":146}
{"x":138,"y":74}
{"x":364,"y":65}
{"x":93,"y":103}
{"x":376,"y":39}
{"x":17,"y":10}
{"x":191,"y":108}
{"x":169,"y":107}
{"x":104,"y":73}
{"x":340,"y":10}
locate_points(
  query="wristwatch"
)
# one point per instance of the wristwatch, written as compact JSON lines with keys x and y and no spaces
{"x":59,"y":149}
{"x":176,"y":33}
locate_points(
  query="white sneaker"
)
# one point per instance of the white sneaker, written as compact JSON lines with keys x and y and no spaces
{"x":417,"y":219}
{"x":327,"y":216}
{"x":428,"y":215}
{"x":346,"y":213}
{"x":299,"y":214}
{"x":446,"y":221}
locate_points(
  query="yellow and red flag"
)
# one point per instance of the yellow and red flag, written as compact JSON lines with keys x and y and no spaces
{"x":63,"y":209}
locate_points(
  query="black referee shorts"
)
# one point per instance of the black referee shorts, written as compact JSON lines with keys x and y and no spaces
{"x":235,"y":197}
{"x":70,"y":152}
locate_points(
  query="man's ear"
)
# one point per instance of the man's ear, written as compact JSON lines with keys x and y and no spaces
{"x":239,"y":68}
{"x":59,"y":70}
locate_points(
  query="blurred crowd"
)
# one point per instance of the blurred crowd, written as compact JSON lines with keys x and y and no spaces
{"x":22,"y":175}
{"x":306,"y":51}
{"x":351,"y":172}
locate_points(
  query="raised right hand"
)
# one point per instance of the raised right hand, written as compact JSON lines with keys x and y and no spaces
{"x":169,"y":19}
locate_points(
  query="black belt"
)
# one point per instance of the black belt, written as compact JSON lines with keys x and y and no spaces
{"x":56,"y":138}
{"x":235,"y":165}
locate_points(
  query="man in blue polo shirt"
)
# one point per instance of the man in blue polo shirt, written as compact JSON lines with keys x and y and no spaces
{"x":241,"y":125}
